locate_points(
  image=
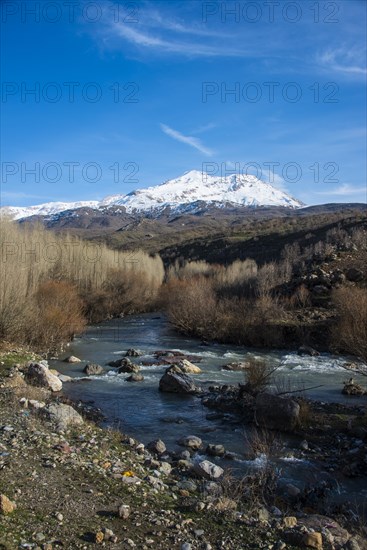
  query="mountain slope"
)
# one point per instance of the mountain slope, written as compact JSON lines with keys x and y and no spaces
{"x":190,"y":193}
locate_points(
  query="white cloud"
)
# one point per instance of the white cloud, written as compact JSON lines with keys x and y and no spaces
{"x":189,"y":140}
{"x":145,"y":38}
{"x":345,"y":60}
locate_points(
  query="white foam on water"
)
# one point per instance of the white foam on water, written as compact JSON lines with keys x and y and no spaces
{"x":322,"y":363}
{"x":258,"y":463}
{"x":294,"y":460}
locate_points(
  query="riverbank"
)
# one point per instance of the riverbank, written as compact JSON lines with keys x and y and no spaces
{"x":85,"y":486}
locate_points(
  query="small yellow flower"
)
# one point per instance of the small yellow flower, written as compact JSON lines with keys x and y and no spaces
{"x":128,"y":473}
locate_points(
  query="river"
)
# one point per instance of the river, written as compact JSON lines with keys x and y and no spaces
{"x":141,"y":411}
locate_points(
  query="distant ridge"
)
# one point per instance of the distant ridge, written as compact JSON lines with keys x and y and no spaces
{"x":189,"y":193}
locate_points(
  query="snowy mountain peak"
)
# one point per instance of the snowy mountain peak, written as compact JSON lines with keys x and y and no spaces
{"x":187,"y":193}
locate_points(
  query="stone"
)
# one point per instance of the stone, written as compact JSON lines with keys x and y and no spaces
{"x":191,"y":441}
{"x":63,"y":416}
{"x":318,"y":523}
{"x":224,"y":504}
{"x":36,"y":405}
{"x":188,"y":368}
{"x":65,"y":378}
{"x":38,"y":374}
{"x":92,"y":370}
{"x":312,"y":540}
{"x":304,"y":445}
{"x":157,"y":446}
{"x":135,"y":377}
{"x":187,"y":485}
{"x":177,"y":382}
{"x":127,"y":366}
{"x":307,"y":350}
{"x":354,"y":275}
{"x":292,"y":490}
{"x":351,"y":388}
{"x":186,"y":546}
{"x":131,"y":352}
{"x":6,"y":505}
{"x":263,"y":514}
{"x":123,"y":511}
{"x":337,"y":277}
{"x":352,"y":544}
{"x":215,"y":450}
{"x":208,"y":470}
{"x":276,"y":413}
{"x":99,"y":537}
{"x":289,"y":522}
{"x":108,"y":533}
{"x":72,"y":359}
{"x":165,"y":468}
{"x":235,"y":366}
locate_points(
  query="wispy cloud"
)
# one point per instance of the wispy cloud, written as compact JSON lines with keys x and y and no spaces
{"x":188,"y":140}
{"x":204,"y":128}
{"x":144,"y":37}
{"x":346,"y":60}
{"x":344,"y":190}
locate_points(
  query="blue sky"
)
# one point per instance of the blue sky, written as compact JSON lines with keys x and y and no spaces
{"x":129,"y":94}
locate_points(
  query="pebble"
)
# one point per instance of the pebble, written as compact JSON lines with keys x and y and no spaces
{"x":186,"y":546}
{"x":124,"y":511}
{"x":6,"y":505}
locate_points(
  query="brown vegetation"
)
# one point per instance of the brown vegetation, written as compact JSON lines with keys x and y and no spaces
{"x":50,"y":285}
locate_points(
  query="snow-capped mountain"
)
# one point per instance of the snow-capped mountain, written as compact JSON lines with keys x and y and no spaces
{"x":189,"y":193}
{"x":45,"y":209}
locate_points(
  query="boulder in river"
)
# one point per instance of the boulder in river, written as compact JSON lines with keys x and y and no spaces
{"x":38,"y":374}
{"x":351,"y":388}
{"x":215,"y":450}
{"x":191,"y":441}
{"x":92,"y":369}
{"x":124,"y":365}
{"x":129,"y":367}
{"x":72,"y":359}
{"x":131,"y":352}
{"x":175,"y":381}
{"x":135,"y":377}
{"x":276,"y":413}
{"x":188,"y":368}
{"x":208,"y":470}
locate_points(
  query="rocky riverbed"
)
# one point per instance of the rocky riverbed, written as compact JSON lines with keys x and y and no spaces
{"x":67,"y":483}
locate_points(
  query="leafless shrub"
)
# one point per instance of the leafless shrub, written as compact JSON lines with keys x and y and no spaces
{"x":31,"y":257}
{"x":191,"y":306}
{"x":263,"y":442}
{"x":258,"y":376}
{"x":350,"y":332}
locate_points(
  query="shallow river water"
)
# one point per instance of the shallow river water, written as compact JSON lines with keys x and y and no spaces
{"x":141,"y":411}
